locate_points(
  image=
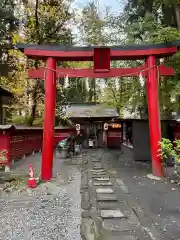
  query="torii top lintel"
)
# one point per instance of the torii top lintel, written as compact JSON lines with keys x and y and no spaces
{"x":132,"y":52}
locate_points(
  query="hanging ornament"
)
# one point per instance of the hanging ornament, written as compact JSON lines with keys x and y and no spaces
{"x":66,"y":81}
{"x":141,"y":79}
{"x":87,"y":83}
{"x":76,"y":83}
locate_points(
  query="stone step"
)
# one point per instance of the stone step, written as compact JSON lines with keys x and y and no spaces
{"x":96,"y":160}
{"x":104,"y":205}
{"x":98,"y":170}
{"x":97,"y":166}
{"x":116,"y":224}
{"x":104,"y":190}
{"x":102,"y":184}
{"x":102,"y":179}
{"x":112,"y":214}
{"x":99,"y":175}
{"x":125,"y":237}
{"x":95,"y":176}
{"x":106,"y":197}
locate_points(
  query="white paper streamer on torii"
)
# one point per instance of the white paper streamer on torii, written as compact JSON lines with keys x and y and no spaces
{"x":66,"y":81}
{"x":141,"y":79}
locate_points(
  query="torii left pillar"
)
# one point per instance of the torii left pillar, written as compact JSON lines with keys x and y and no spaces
{"x":49,"y":116}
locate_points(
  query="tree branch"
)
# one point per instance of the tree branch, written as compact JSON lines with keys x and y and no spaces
{"x":50,"y":35}
{"x":113,"y":92}
{"x":37,"y":22}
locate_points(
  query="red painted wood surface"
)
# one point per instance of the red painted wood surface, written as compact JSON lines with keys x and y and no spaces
{"x":78,"y":55}
{"x":49,"y":116}
{"x":177,"y":131}
{"x":114,"y":138}
{"x":82,"y":73}
{"x":19,"y":142}
{"x":5,"y":150}
{"x":154,"y":116}
{"x":102,"y":60}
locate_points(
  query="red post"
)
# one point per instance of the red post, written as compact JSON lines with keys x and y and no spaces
{"x":154,"y":115}
{"x":49,"y":115}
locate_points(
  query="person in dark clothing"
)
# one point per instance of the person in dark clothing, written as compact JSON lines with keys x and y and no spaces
{"x":129,"y":134}
{"x":71,"y":144}
{"x":79,"y":138}
{"x":79,"y":141}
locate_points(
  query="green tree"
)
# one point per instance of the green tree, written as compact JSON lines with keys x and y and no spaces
{"x":143,"y":22}
{"x":8,"y":25}
{"x":92,"y":29}
{"x":44,"y":22}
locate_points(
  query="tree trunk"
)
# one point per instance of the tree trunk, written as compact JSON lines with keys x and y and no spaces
{"x":94,"y":86}
{"x":32,"y":116}
{"x":177,"y":11}
{"x":90,"y":90}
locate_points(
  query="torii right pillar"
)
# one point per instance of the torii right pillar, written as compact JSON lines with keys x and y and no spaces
{"x":154,"y":115}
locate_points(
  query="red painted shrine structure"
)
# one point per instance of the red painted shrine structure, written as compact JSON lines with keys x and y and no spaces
{"x":101,"y":56}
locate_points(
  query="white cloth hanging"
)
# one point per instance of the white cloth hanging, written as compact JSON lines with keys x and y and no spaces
{"x":66,"y":81}
{"x":141,"y":79}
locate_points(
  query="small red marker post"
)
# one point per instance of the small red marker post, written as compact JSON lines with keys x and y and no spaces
{"x":32,"y":183}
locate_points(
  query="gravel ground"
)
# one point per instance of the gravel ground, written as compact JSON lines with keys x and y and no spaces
{"x":51,"y":211}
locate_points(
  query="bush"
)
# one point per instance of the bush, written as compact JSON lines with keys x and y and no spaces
{"x":166,"y":150}
{"x":18,"y":120}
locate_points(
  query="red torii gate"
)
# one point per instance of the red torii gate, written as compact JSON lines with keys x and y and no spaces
{"x":87,"y":72}
{"x":101,"y":57}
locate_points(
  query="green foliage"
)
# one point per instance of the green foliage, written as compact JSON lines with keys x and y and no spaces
{"x":166,"y":149}
{"x":77,"y":90}
{"x":8,"y":25}
{"x":92,"y":25}
{"x":143,"y":22}
{"x":46,"y":22}
{"x":177,"y":150}
{"x":40,"y":22}
{"x":18,"y":120}
{"x":43,"y":22}
{"x":169,"y":150}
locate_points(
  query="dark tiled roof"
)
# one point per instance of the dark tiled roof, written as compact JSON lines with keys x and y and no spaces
{"x":67,"y":48}
{"x":90,"y":110}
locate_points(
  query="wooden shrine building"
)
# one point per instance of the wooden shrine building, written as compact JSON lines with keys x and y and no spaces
{"x":92,"y":117}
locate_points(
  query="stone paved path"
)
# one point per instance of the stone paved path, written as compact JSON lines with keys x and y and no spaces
{"x":120,"y":202}
{"x":156,"y":203}
{"x":51,"y":211}
{"x":105,"y":209}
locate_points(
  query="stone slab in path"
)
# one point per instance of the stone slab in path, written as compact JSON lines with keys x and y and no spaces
{"x":97,"y":166}
{"x":124,"y":237}
{"x":112,"y":214}
{"x":98,"y":170}
{"x":102,"y":184}
{"x":102,"y":179}
{"x":96,"y":160}
{"x":106,"y":197}
{"x":104,"y":205}
{"x":104,"y":190}
{"x":116,"y":224}
{"x":119,"y":182}
{"x":101,"y":174}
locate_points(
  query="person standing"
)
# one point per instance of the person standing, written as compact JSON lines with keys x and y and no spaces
{"x":105,"y":138}
{"x":79,"y":140}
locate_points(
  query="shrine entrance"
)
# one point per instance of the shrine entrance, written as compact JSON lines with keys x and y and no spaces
{"x":101,"y":56}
